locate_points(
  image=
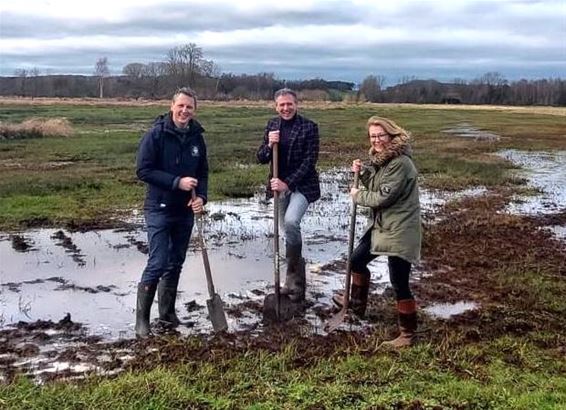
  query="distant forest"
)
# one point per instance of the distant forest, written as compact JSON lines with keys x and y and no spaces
{"x":186,"y":65}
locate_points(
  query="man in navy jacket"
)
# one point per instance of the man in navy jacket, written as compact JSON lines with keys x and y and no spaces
{"x":172,"y":161}
{"x":297,"y":183}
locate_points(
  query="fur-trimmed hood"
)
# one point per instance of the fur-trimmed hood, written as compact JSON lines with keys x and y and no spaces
{"x":399,"y":146}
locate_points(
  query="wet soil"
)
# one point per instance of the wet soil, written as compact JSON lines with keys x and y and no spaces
{"x":469,"y":245}
{"x":96,"y":223}
{"x":21,"y":244}
{"x":462,"y":251}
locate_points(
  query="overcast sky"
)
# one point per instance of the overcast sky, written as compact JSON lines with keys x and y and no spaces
{"x":294,"y":39}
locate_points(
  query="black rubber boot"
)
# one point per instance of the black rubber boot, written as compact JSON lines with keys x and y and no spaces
{"x":146,"y":293}
{"x":295,"y":279}
{"x":166,"y":296}
{"x":358,"y":294}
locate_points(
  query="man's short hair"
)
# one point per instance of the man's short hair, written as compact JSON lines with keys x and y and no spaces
{"x":285,"y":91}
{"x":189,"y":92}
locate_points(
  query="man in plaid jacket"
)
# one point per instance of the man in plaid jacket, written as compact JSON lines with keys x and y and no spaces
{"x":297,"y":183}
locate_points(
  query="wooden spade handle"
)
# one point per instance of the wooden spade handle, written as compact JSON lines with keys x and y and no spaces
{"x":351,"y":245}
{"x":202,"y":243}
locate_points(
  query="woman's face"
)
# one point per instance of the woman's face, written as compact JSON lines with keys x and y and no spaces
{"x":379,"y":139}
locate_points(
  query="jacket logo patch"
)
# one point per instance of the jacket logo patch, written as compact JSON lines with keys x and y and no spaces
{"x":195,"y":151}
{"x":385,"y":189}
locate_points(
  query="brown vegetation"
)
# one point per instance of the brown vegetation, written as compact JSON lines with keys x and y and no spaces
{"x":36,"y":128}
{"x":140,"y":102}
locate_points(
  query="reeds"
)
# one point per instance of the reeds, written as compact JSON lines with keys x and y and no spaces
{"x":36,"y":128}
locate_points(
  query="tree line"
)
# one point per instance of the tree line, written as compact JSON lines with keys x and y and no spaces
{"x":187,"y":65}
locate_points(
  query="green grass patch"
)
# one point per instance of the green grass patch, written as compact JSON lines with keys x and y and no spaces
{"x":476,"y":377}
{"x":102,"y":151}
{"x":238,"y":183}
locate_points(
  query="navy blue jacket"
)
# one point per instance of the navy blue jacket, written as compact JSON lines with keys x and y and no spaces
{"x":302,"y":155}
{"x":165,"y":155}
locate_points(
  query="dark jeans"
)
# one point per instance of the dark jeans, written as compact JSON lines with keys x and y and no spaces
{"x":399,"y":269}
{"x":168,"y":237}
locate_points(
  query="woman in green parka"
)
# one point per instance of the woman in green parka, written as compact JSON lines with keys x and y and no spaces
{"x":391,"y":192}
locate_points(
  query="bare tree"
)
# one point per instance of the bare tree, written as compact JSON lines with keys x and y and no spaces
{"x":493,"y":78}
{"x":371,"y":87}
{"x":184,"y":63}
{"x":34,"y":74}
{"x":101,"y":71}
{"x":492,"y":87}
{"x":22,"y":75}
{"x":153,"y":72}
{"x":134,"y":74}
{"x":209,"y":68}
{"x":133,"y":70}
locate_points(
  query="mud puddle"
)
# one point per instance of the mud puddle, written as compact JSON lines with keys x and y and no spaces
{"x":467,"y":130}
{"x":447,"y":310}
{"x":546,"y":172}
{"x":47,"y":274}
{"x":559,"y":231}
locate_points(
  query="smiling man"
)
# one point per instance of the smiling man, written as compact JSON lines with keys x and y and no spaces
{"x":297,"y":183}
{"x":172,"y":162}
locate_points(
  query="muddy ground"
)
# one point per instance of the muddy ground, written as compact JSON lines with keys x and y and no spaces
{"x":466,"y":241}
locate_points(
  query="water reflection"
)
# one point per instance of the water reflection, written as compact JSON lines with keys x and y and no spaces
{"x":93,"y":275}
{"x":545,"y":171}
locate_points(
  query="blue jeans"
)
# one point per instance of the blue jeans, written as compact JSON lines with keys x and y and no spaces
{"x":292,"y":208}
{"x":168,"y":236}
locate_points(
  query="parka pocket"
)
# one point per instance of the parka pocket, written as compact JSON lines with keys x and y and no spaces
{"x":377,"y":218}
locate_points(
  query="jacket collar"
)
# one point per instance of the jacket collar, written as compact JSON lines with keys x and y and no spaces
{"x":297,"y":119}
{"x":167,"y":124}
{"x":399,"y":146}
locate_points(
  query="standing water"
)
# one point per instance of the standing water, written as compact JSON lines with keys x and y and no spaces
{"x":47,"y":273}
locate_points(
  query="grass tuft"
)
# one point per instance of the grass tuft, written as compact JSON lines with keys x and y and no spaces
{"x":36,"y":128}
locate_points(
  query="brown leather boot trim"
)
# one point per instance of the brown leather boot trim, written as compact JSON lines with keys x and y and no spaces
{"x":406,"y":306}
{"x":360,"y":280}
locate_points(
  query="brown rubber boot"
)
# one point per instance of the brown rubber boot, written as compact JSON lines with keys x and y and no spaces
{"x":358,"y":294}
{"x":295,"y":280}
{"x":407,"y":310}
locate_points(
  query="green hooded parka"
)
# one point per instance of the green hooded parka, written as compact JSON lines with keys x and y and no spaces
{"x":390,"y":190}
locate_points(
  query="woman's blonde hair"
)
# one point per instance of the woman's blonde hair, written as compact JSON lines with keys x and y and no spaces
{"x":389,"y":126}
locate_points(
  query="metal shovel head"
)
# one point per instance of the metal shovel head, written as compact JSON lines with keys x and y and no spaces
{"x":216,"y":313}
{"x":287,"y":308}
{"x":335,"y":321}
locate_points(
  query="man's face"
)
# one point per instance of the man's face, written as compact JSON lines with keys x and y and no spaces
{"x":183,"y":109}
{"x":286,"y":106}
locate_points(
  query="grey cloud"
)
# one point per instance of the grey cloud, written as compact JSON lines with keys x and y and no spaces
{"x":534,"y":17}
{"x":163,"y":20}
{"x":308,"y":62}
{"x":409,"y":58}
{"x":417,"y":55}
{"x":396,"y":58}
